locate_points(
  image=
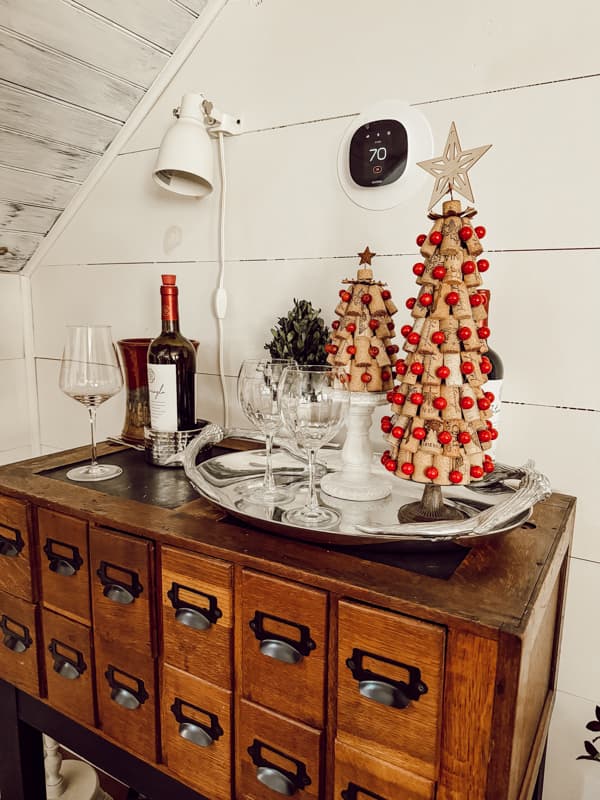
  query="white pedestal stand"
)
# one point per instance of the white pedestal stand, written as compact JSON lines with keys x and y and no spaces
{"x":356,"y":480}
{"x":70,"y":779}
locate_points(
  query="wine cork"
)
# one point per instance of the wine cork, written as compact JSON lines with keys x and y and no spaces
{"x":362,"y":356}
{"x":451,"y":395}
{"x":476,"y":460}
{"x":430,"y":443}
{"x":449,"y":327}
{"x":409,"y":443}
{"x":421,"y":461}
{"x":462,"y":309}
{"x":400,"y":410}
{"x":377,"y":305}
{"x":440,"y":308}
{"x":364,"y":274}
{"x":472,"y":446}
{"x":356,"y":307}
{"x":430,"y":393}
{"x":342,"y":357}
{"x":453,"y":264}
{"x":404,"y":457}
{"x":400,"y":420}
{"x":376,"y":383}
{"x":474,"y":247}
{"x":410,"y":378}
{"x":451,"y":241}
{"x":427,"y":276}
{"x":383,"y":330}
{"x":450,"y":207}
{"x":469,"y":414}
{"x":340,"y":309}
{"x":410,"y":408}
{"x":356,"y":382}
{"x":428,"y":248}
{"x":443,"y":464}
{"x":453,"y":448}
{"x":452,"y":361}
{"x":473,"y":343}
{"x":390,"y":306}
{"x":416,"y":328}
{"x":461,"y":463}
{"x":432,"y":363}
{"x":331,"y":359}
{"x":475,"y":378}
{"x":479,"y":312}
{"x":382,"y":357}
{"x":430,"y":326}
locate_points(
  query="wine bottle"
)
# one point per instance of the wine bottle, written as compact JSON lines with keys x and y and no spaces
{"x":495,"y":377}
{"x":171,"y":368}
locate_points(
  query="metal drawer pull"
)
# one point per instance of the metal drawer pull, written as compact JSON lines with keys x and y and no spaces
{"x":191,"y":615}
{"x":119,"y":591}
{"x":16,"y":640}
{"x":282,"y":648}
{"x":70,"y":666}
{"x":124,"y":695}
{"x":352,"y":791}
{"x":282,"y":781}
{"x":60,"y":563}
{"x":12,"y":545}
{"x":380,"y":688}
{"x":199,"y":733}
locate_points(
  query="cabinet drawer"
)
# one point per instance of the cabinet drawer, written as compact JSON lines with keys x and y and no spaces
{"x":284,"y":646}
{"x":362,"y":777}
{"x":196,"y":733}
{"x":19,"y":629}
{"x":276,"y":756}
{"x":69,"y":667}
{"x":64,"y":564}
{"x":126,"y":696}
{"x":390,"y":674}
{"x":122,"y":589}
{"x":15,"y":549}
{"x":197,"y":615}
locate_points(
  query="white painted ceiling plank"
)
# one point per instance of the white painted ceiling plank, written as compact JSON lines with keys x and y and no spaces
{"x":158,"y":21}
{"x":83,"y":36}
{"x":37,"y":115}
{"x":195,"y":6}
{"x":41,"y":155}
{"x":22,"y":217}
{"x":28,"y":65}
{"x":20,"y":247}
{"x":40,"y":190}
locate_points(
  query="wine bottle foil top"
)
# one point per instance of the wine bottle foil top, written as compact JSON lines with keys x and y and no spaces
{"x":165,"y":448}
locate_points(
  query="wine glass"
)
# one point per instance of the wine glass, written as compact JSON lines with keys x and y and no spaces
{"x":90,"y":373}
{"x":258,"y":395}
{"x":314,"y":404}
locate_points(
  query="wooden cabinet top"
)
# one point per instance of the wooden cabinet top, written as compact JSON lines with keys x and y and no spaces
{"x":492,"y":590}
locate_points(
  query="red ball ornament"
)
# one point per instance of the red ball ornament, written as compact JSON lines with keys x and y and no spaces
{"x":455,"y":476}
{"x":490,"y":396}
{"x":442,"y":372}
{"x":373,"y":324}
{"x":391,"y":464}
{"x":483,"y":404}
{"x":366,"y":378}
{"x":373,"y":351}
{"x":410,"y":303}
{"x":386,"y":425}
{"x":351,"y":350}
{"x":483,"y":265}
{"x":386,"y":294}
{"x":431,"y":473}
{"x":483,"y":332}
{"x":389,"y":396}
{"x":346,"y":296}
{"x":351,"y":327}
{"x":440,"y":403}
{"x":419,"y":433}
{"x":401,"y":367}
{"x":335,"y":324}
{"x":439,"y":272}
{"x":465,"y":233}
{"x":385,"y":374}
{"x":419,"y":268}
{"x":407,"y":468}
{"x":435,"y":237}
{"x":386,"y":419}
{"x":390,"y":326}
{"x":417,"y":368}
{"x":438,"y":337}
{"x":421,"y":239}
{"x":486,"y":366}
{"x":391,"y":349}
{"x":480,"y":231}
{"x":452,"y":298}
{"x":366,"y":298}
{"x":464,"y":333}
{"x":468,"y":268}
{"x":398,"y":399}
{"x":416,"y":398}
{"x":493,"y":433}
{"x":476,"y":471}
{"x":397,"y":432}
{"x":467,"y":368}
{"x":488,"y":466}
{"x":464,"y":437}
{"x":467,"y":402}
{"x":484,"y":435}
{"x":444,"y":437}
{"x":475,"y":299}
{"x":426,"y":299}
{"x":405,"y":330}
{"x":385,"y":456}
{"x":331,"y":348}
{"x":413,"y":338}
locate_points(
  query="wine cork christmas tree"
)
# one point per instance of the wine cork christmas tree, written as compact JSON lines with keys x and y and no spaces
{"x":438,"y":429}
{"x":361,"y":340}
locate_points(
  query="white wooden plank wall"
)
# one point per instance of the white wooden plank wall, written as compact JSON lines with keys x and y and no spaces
{"x":298,"y":71}
{"x":15,"y":434}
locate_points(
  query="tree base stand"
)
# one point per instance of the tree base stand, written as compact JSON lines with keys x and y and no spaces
{"x":429,"y":508}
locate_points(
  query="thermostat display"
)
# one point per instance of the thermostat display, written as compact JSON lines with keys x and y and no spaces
{"x":378,"y":153}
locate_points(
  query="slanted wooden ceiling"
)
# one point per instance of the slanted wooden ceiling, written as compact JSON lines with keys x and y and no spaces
{"x":71,"y":73}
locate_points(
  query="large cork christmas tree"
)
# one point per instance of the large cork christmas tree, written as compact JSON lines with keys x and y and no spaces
{"x":438,"y":430}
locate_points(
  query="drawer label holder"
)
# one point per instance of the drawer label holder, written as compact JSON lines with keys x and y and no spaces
{"x":282,"y":648}
{"x":125,"y":695}
{"x":119,"y":591}
{"x":10,"y":545}
{"x":381,"y":688}
{"x":190,"y":614}
{"x":283,"y":781}
{"x":68,"y":665}
{"x":17,"y":640}
{"x":60,"y":563}
{"x":191,"y":729}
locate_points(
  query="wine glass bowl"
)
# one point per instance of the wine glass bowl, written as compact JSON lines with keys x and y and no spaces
{"x":259,"y":398}
{"x":314,"y":404}
{"x":91,"y":374}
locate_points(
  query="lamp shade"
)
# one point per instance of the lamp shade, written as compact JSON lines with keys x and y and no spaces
{"x":185,"y":161}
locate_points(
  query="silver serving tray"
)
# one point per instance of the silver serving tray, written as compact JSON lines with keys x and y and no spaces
{"x":225,"y":479}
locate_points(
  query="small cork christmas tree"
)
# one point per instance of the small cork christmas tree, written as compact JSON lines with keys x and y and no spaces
{"x":439,"y":430}
{"x":361,"y":340}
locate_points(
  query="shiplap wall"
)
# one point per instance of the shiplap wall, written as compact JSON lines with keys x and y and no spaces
{"x":514,"y":74}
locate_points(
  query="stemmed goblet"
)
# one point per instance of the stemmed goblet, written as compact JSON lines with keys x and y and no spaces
{"x":90,"y":373}
{"x":258,"y":395}
{"x":314,"y":404}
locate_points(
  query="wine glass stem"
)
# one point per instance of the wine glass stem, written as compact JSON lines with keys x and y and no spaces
{"x":269,"y":481}
{"x":313,"y":502}
{"x":92,"y":411}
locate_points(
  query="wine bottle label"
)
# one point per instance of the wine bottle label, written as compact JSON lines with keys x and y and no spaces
{"x":162,"y":393}
{"x":496,"y":388}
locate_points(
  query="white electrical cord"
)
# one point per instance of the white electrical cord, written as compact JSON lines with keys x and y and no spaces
{"x":220,"y":299}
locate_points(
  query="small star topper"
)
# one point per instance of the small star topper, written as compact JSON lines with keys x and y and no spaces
{"x":366,"y":256}
{"x":450,"y":169}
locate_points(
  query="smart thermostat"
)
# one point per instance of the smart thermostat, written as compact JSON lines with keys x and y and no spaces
{"x":377,"y":158}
